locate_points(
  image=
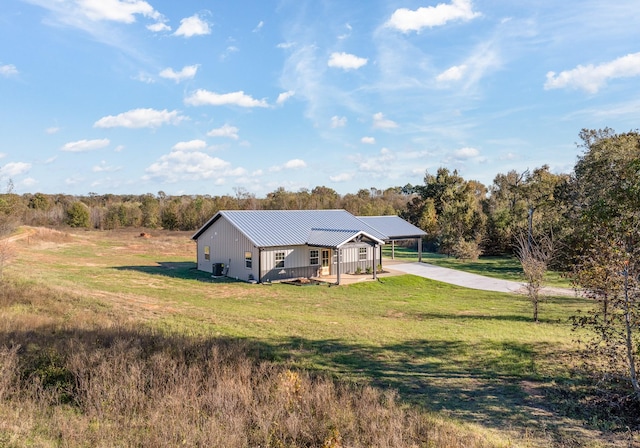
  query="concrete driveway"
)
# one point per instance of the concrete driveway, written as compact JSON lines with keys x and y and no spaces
{"x":467,"y":280}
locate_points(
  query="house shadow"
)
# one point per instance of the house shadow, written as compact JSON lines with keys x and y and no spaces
{"x":186,"y":270}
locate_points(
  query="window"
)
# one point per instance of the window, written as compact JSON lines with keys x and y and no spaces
{"x":207,"y":253}
{"x":362,"y":253}
{"x":279,"y":259}
{"x":248,"y":261}
{"x":313,"y":257}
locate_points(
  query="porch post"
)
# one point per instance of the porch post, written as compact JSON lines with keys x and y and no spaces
{"x":393,"y":249}
{"x":338,"y":253}
{"x":375,"y":268}
{"x":420,"y":249}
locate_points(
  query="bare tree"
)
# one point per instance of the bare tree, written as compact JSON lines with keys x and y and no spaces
{"x":534,"y":256}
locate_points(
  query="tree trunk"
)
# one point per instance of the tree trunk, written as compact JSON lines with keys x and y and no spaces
{"x":628,"y":340}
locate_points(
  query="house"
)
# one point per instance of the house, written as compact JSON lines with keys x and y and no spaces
{"x":273,"y":245}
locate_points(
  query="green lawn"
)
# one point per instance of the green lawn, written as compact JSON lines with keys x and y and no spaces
{"x":471,"y":354}
{"x":503,"y":267}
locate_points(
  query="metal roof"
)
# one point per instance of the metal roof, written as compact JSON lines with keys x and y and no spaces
{"x":336,"y":238}
{"x":328,"y":228}
{"x":394,"y":227}
{"x":273,"y":228}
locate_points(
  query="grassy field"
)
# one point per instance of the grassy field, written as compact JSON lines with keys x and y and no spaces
{"x":503,"y":267}
{"x":475,"y":359}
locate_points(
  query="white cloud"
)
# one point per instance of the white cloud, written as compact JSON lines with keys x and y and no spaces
{"x":144,"y":77}
{"x":290,"y":165}
{"x":368,"y":140}
{"x":285,"y":45}
{"x":159,"y":27}
{"x":284,"y":96}
{"x":406,"y":20}
{"x":28,"y":182}
{"x":52,"y":130}
{"x":258,"y":26}
{"x":2,"y":155}
{"x":85,"y":145}
{"x":191,"y":145}
{"x":104,"y":168}
{"x":225,"y":131}
{"x":454,"y":73}
{"x":379,"y":122}
{"x":191,"y":165}
{"x":119,"y":148}
{"x":342,"y":177}
{"x":466,"y":153}
{"x":193,"y":26}
{"x":187,"y":72}
{"x":375,"y":164}
{"x":14,"y":169}
{"x":8,"y":70}
{"x":140,"y":118}
{"x":295,"y":164}
{"x":338,"y":122}
{"x":202,"y":97}
{"x":346,"y":61}
{"x":116,"y":10}
{"x":591,"y":78}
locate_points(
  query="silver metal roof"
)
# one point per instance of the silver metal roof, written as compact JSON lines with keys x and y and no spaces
{"x":336,"y":238}
{"x":273,"y":228}
{"x":394,"y":227}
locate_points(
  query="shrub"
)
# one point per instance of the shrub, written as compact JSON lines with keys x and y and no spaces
{"x":466,"y":250}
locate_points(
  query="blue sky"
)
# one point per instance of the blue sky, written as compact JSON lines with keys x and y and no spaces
{"x":195,"y":97}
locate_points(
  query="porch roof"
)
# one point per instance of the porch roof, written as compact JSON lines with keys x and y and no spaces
{"x":336,"y":238}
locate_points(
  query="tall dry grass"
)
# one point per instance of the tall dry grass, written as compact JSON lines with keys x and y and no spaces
{"x":104,"y":383}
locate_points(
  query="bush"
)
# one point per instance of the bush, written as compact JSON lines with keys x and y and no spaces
{"x":77,"y":215}
{"x":466,"y":250}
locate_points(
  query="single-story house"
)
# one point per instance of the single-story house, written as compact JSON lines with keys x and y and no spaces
{"x":273,"y":245}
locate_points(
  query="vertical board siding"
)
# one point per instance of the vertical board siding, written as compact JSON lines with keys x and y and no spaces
{"x":228,"y":246}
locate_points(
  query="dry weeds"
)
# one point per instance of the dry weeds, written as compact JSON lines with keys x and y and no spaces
{"x":95,"y":381}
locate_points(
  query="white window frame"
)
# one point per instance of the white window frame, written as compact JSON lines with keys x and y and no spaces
{"x":280,"y":257}
{"x":207,"y":252}
{"x":315,"y":257}
{"x":362,"y":253}
{"x":248,"y":260}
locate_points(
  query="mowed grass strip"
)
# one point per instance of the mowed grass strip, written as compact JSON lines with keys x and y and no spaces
{"x":474,"y":355}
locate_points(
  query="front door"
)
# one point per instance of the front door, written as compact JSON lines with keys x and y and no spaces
{"x":326,"y":262}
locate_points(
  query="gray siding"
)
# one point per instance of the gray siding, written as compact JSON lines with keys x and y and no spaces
{"x":228,"y":246}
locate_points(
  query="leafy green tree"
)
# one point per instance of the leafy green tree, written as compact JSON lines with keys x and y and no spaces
{"x":607,"y":268}
{"x":77,"y":215}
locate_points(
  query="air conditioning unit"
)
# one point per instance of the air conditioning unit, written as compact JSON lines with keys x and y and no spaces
{"x":218,"y":269}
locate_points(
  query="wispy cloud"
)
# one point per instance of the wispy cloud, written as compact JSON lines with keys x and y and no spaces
{"x":592,"y":77}
{"x":258,"y":26}
{"x":346,"y":61}
{"x":342,"y":177}
{"x":193,"y":26}
{"x":454,"y":73}
{"x":52,"y":130}
{"x":284,"y":96}
{"x":187,"y":72}
{"x":368,"y":140}
{"x":292,"y":164}
{"x":202,"y":97}
{"x":103,"y":167}
{"x":338,"y":122}
{"x":85,"y":145}
{"x":225,"y":131}
{"x":141,"y":118}
{"x":379,"y":122}
{"x":406,"y":20}
{"x":191,"y":145}
{"x":8,"y":70}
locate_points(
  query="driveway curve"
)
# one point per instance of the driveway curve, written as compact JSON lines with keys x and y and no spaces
{"x":468,"y":280}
